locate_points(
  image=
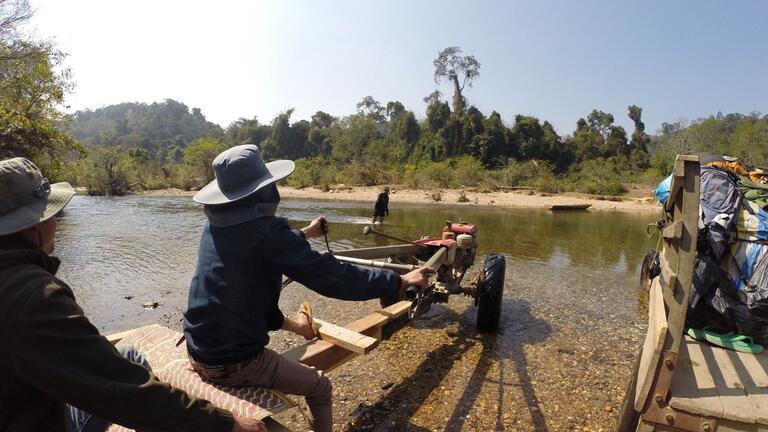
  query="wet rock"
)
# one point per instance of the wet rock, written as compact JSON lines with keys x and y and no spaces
{"x":150,"y":305}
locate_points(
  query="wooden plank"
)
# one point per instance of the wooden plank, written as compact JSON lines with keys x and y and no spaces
{"x":669,"y":275}
{"x":673,"y":231}
{"x":645,"y":427}
{"x":654,"y":341}
{"x":687,"y":208}
{"x":753,"y":374}
{"x":736,"y":405}
{"x":674,"y":190}
{"x":327,"y":356}
{"x":343,"y":337}
{"x":397,"y":309}
{"x":693,"y":388}
{"x":628,"y":416}
{"x":687,"y":157}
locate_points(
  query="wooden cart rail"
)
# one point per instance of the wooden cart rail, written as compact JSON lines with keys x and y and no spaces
{"x":680,"y":384}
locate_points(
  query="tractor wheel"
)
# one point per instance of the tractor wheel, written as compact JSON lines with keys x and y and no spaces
{"x":490,"y":292}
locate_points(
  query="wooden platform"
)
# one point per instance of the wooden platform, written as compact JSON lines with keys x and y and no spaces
{"x":713,"y":381}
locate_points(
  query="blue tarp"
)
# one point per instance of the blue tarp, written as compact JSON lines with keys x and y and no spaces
{"x":662,"y":190}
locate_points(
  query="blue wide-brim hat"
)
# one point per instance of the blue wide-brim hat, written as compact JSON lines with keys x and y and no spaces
{"x":240,"y":172}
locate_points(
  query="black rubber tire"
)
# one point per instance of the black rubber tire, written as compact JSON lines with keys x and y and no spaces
{"x":490,"y":293}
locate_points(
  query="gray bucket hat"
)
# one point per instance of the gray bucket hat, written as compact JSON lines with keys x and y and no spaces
{"x":26,"y":197}
{"x":240,"y":172}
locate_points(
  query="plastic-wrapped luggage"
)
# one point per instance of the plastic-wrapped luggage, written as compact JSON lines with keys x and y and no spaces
{"x":730,"y":283}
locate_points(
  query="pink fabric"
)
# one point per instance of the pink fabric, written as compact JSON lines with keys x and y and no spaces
{"x":169,"y":362}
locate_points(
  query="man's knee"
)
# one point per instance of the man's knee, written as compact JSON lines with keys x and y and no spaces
{"x":323,"y":390}
{"x":131,"y":353}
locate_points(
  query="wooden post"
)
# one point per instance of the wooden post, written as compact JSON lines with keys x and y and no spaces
{"x":686,"y":207}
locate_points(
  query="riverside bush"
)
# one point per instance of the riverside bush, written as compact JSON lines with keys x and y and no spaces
{"x":598,"y":177}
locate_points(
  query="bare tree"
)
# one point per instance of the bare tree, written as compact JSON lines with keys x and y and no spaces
{"x":460,"y":70}
{"x":13,"y":13}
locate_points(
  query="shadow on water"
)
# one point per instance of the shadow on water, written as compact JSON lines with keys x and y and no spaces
{"x":518,"y":328}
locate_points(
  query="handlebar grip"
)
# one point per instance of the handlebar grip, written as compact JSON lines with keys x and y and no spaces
{"x":411,"y":292}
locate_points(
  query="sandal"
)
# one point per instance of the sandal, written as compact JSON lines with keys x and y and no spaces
{"x":306,"y":309}
{"x":729,"y":340}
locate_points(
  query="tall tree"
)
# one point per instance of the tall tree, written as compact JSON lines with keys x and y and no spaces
{"x":394,"y":109}
{"x":322,"y":120}
{"x":371,"y":108}
{"x":640,"y":139}
{"x":460,"y":70}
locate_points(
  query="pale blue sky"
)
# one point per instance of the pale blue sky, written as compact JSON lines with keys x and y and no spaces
{"x":556,"y":60}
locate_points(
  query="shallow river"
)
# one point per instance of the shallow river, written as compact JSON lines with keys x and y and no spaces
{"x":118,"y":253}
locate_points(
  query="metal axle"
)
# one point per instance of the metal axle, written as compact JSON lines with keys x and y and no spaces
{"x":369,"y":230}
{"x":380,"y":264}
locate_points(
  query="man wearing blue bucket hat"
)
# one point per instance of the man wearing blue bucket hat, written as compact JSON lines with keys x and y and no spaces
{"x":233,"y":301}
{"x":55,"y":368}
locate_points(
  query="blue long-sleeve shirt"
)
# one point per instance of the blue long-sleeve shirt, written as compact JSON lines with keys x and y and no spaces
{"x":233,"y":297}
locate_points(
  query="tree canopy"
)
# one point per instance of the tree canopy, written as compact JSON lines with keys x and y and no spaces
{"x":459,"y":70}
{"x":33,"y":85}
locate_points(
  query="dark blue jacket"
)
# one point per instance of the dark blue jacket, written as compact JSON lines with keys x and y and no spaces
{"x":233,"y":298}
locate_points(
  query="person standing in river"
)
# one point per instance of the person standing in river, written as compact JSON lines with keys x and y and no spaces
{"x":381,"y":208}
{"x":56,"y":369}
{"x":233,"y":299}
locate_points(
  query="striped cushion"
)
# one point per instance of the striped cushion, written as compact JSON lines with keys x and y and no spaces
{"x":169,"y":362}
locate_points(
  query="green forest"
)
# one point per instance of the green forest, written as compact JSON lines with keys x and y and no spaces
{"x":132,"y":146}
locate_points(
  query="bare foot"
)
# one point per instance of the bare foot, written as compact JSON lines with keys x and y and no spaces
{"x":305,"y":327}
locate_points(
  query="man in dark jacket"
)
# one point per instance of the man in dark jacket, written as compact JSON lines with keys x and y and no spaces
{"x":51,"y":354}
{"x":381,"y":208}
{"x":233,"y":299}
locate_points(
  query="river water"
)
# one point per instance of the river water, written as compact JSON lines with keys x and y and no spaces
{"x":119,"y":253}
{"x":573,"y":315}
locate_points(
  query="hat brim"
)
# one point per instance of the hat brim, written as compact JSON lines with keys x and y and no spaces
{"x":38,"y":211}
{"x":211,"y":194}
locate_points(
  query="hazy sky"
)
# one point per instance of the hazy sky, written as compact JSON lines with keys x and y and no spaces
{"x":556,"y":60}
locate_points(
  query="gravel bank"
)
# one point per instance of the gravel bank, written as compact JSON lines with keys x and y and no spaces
{"x":559,"y":363}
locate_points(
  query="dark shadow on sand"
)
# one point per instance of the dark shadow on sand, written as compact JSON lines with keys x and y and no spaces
{"x":518,"y":328}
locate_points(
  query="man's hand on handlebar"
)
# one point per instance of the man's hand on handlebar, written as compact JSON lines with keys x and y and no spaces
{"x":418,"y":277}
{"x":316,"y":228}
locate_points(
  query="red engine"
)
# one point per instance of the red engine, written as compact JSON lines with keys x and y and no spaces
{"x":461,"y":228}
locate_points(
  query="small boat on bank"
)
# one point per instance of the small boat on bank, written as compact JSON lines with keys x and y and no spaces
{"x":565,"y":207}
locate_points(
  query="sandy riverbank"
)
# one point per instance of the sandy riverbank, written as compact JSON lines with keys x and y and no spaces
{"x":505,"y":199}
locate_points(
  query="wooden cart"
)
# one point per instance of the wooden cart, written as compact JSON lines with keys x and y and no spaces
{"x":680,"y":384}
